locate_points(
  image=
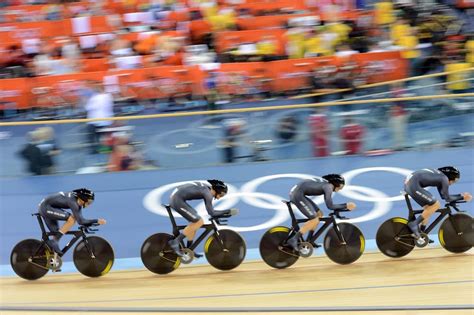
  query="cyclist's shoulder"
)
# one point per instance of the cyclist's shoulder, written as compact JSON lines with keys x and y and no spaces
{"x":427,"y":171}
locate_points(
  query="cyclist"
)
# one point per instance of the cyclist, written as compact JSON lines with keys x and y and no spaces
{"x":213,"y":188}
{"x":52,"y":210}
{"x":315,"y":187}
{"x":440,"y":178}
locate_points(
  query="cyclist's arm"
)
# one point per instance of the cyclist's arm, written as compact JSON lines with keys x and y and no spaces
{"x":443,"y":190}
{"x":328,"y":200}
{"x":208,"y":202}
{"x":77,"y":213}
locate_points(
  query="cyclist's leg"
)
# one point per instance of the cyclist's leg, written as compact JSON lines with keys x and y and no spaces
{"x":309,"y":210}
{"x":51,"y":217}
{"x":189,"y":231}
{"x":429,"y":204}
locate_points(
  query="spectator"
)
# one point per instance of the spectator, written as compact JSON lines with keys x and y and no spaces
{"x":344,"y":50}
{"x":47,"y":145}
{"x":16,"y":61}
{"x":212,"y":94}
{"x":319,"y":127}
{"x":287,"y":128}
{"x":99,"y":105}
{"x":232,"y":132}
{"x":398,"y":124}
{"x":457,"y":82}
{"x":31,"y":153}
{"x":410,"y":51}
{"x":123,"y":157}
{"x":43,"y":62}
{"x":351,"y":134}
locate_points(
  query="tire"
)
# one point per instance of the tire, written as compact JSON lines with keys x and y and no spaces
{"x":157,"y":255}
{"x":344,"y":253}
{"x":93,"y":267}
{"x":387,"y":235}
{"x":225,"y":260}
{"x":22,"y":252}
{"x":449,"y":237}
{"x":271,"y":248}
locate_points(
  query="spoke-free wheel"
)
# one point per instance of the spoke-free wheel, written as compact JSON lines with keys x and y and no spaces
{"x":394,"y":238}
{"x":272,"y":250}
{"x":348,"y":252}
{"x":228,"y":254}
{"x":157,"y":255}
{"x":456,"y":233}
{"x":29,"y":259}
{"x":97,"y":264}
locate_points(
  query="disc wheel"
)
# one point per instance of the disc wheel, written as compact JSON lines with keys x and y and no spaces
{"x":157,"y":255}
{"x":98,"y":265}
{"x":20,"y":259}
{"x":273,"y":252}
{"x":394,"y":238}
{"x":344,"y":253}
{"x":456,"y":233}
{"x":226,"y":255}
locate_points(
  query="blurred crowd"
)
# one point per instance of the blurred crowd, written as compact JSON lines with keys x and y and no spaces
{"x":428,"y":34}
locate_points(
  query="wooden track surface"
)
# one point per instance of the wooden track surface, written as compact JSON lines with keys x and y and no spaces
{"x":424,"y":282}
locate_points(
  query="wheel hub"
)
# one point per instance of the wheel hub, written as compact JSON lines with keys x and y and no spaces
{"x":188,"y":256}
{"x":305,"y":249}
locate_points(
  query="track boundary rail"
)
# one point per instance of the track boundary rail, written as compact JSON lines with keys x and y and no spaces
{"x":236,"y":110}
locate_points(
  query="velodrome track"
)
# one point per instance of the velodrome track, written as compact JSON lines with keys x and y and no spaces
{"x":427,"y":281}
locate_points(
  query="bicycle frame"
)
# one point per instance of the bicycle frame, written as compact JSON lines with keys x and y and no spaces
{"x":312,"y":237}
{"x":208,"y":228}
{"x":77,"y":235}
{"x":443,"y":212}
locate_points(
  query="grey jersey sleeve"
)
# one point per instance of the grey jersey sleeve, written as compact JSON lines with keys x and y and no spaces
{"x":208,"y":202}
{"x":77,"y":213}
{"x":328,"y":199}
{"x":443,"y":189}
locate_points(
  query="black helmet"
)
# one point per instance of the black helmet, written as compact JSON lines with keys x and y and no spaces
{"x":218,"y":186}
{"x":450,"y":171}
{"x":84,"y":194}
{"x":335,"y":179}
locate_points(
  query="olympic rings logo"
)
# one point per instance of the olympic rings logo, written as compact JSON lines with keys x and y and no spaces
{"x":270,"y":202}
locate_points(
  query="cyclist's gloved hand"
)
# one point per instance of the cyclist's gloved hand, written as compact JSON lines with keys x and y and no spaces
{"x":234,"y":211}
{"x":101,"y":221}
{"x":351,"y":206}
{"x":467,"y":196}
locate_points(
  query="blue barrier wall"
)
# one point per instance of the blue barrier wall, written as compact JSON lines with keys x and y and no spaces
{"x":122,"y":197}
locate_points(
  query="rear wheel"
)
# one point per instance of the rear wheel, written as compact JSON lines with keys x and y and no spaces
{"x":348,"y":252}
{"x":226,"y":255}
{"x":29,"y":259}
{"x":157,"y":255}
{"x":272,"y":250}
{"x":394,"y":238}
{"x":97,"y":264}
{"x":456,"y":233}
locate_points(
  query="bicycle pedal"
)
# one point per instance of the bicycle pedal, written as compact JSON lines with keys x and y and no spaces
{"x":196,"y":255}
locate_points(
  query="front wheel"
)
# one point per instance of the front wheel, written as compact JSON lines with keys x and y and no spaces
{"x":394,"y":238}
{"x":456,"y":233}
{"x":97,"y":264}
{"x":29,"y":259}
{"x":273,"y":251}
{"x":350,"y":250}
{"x":229,"y":253}
{"x":157,"y":255}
